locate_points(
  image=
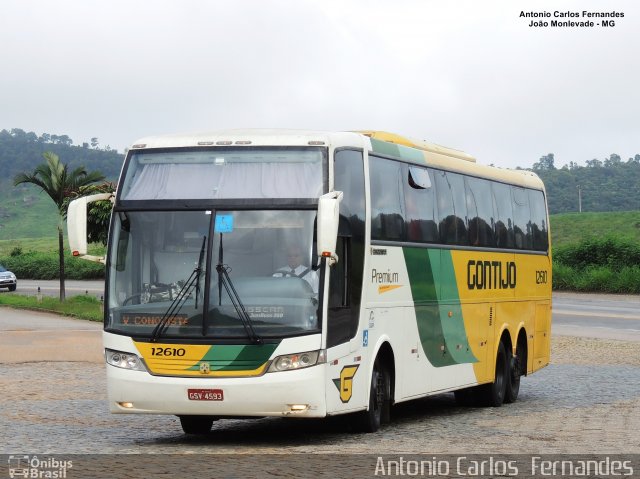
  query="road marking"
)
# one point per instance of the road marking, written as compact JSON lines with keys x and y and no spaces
{"x":596,"y":315}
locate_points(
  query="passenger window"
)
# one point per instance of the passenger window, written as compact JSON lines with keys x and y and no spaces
{"x":387,"y":199}
{"x":539,"y":230}
{"x":479,"y":212}
{"x":451,"y":208}
{"x":503,"y":227}
{"x":521,"y":218}
{"x":421,"y":218}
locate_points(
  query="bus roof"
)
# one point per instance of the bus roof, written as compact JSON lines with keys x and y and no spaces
{"x":388,"y":144}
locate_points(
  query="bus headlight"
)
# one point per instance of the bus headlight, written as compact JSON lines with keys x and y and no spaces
{"x":123,"y":360}
{"x":289,"y":362}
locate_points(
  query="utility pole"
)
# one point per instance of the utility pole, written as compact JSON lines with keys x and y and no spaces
{"x":579,"y":199}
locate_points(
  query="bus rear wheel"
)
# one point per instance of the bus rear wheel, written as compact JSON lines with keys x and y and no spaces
{"x":514,"y":365}
{"x":379,"y":400}
{"x":196,"y":424}
{"x":493,"y":394}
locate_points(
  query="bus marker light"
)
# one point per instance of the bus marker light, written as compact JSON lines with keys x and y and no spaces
{"x":298,"y":407}
{"x":126,"y":405}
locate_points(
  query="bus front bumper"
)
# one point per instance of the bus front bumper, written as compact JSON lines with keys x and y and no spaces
{"x":298,"y":393}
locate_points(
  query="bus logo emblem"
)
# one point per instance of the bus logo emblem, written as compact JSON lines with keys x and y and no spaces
{"x":345,"y":383}
{"x":205,"y":367}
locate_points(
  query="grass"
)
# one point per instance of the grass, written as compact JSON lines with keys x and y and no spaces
{"x":81,"y":307}
{"x":573,"y":227}
{"x":600,"y":279}
{"x":26,"y":212}
{"x":47,"y":244}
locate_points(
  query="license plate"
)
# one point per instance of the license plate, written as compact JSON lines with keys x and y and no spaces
{"x":205,"y":394}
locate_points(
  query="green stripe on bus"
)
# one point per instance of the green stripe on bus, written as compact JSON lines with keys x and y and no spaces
{"x":231,"y":357}
{"x":443,"y":338}
{"x":425,"y":298}
{"x":453,"y":327}
{"x":397,"y":151}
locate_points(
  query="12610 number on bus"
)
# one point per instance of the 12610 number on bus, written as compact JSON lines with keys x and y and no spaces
{"x":168,"y":352}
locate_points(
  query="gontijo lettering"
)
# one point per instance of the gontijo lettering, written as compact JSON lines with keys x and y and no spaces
{"x":491,"y":274}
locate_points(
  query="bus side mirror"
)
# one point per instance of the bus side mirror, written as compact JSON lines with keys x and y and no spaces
{"x":327,"y":224}
{"x":77,"y":225}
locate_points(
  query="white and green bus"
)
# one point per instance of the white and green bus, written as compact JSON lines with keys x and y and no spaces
{"x":304,"y":274}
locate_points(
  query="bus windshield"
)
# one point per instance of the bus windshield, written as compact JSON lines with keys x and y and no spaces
{"x":169,"y":267}
{"x":224,"y":174}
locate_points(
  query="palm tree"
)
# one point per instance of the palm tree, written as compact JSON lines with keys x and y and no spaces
{"x":54,"y":178}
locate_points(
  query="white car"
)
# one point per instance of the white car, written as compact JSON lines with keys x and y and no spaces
{"x":8,"y":279}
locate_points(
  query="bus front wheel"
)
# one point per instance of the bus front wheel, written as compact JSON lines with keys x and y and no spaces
{"x":379,"y":400}
{"x":196,"y":424}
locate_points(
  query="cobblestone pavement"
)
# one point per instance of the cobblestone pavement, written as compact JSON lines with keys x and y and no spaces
{"x":586,"y":401}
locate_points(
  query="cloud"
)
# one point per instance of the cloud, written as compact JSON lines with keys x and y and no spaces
{"x":468,"y":74}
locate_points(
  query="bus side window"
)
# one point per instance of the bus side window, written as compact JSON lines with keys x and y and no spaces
{"x":387,"y":199}
{"x":480,"y":212}
{"x":503,"y":215}
{"x":521,"y":218}
{"x":339,"y":281}
{"x":538,"y":221}
{"x":345,"y":285}
{"x":420,"y":206}
{"x":452,"y":208}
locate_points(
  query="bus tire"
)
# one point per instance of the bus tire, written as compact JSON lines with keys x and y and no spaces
{"x":379,"y":400}
{"x":493,"y":394}
{"x":196,"y":424}
{"x":513,"y":375}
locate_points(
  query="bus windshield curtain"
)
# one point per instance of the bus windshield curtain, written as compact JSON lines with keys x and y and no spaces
{"x":234,"y":180}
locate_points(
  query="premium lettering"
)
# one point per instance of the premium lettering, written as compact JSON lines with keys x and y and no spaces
{"x":384,"y":277}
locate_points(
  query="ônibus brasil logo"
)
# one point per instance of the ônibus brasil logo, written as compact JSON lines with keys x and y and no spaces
{"x":34,"y":467}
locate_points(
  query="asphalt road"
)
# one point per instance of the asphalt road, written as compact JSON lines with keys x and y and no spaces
{"x":51,"y":287}
{"x":597,"y":316}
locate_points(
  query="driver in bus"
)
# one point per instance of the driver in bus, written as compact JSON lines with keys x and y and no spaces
{"x":295,"y":268}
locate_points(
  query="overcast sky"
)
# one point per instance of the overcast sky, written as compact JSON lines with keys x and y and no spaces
{"x":470,"y":74}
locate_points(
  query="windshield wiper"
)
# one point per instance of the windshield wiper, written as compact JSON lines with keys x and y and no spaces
{"x":225,"y":280}
{"x":183,"y":294}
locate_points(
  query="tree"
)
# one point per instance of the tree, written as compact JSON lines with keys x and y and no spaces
{"x":545,"y":163}
{"x":613,"y":160}
{"x":595,"y":163}
{"x":54,"y":178}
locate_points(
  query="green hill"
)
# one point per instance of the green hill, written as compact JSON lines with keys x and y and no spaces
{"x":609,"y":185}
{"x":25,"y":211}
{"x":569,"y":228}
